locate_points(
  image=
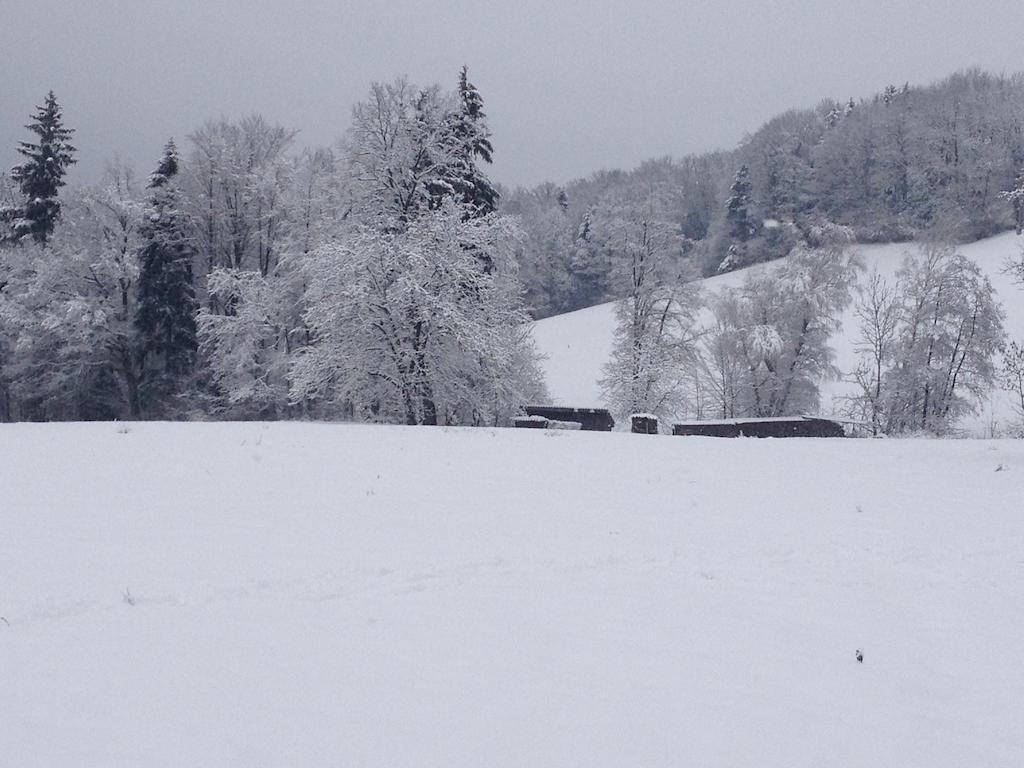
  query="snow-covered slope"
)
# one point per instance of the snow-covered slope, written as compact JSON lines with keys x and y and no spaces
{"x":578,"y":344}
{"x":319,"y":595}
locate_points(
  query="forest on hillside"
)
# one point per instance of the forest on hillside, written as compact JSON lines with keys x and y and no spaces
{"x":940,"y":161}
{"x":387,"y":278}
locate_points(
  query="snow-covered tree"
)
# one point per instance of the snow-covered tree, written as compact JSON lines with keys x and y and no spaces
{"x":1016,"y":267}
{"x":737,"y":207}
{"x":790,"y":315}
{"x":775,"y":329}
{"x":249,"y":350}
{"x":546,"y":252}
{"x":473,"y":139}
{"x":407,"y":327}
{"x":400,"y":154}
{"x":41,"y":176}
{"x":317,"y":208}
{"x":590,"y":264}
{"x":69,"y":305}
{"x":235,"y":191}
{"x":878,"y":314}
{"x":739,"y":224}
{"x":720,"y":374}
{"x":1011,"y":377}
{"x":654,"y":324}
{"x":9,"y":198}
{"x":105,"y":234}
{"x":165,"y":314}
{"x":833,"y":114}
{"x":1015,"y":197}
{"x":410,"y":148}
{"x":42,"y":374}
{"x":950,"y":333}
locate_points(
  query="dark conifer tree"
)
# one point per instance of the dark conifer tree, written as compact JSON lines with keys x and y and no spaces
{"x":41,"y":176}
{"x":737,"y":214}
{"x":474,"y":139}
{"x":166,"y":314}
{"x":467,"y":139}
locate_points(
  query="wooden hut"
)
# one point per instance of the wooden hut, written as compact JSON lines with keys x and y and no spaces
{"x":643,"y":424}
{"x":589,"y":419}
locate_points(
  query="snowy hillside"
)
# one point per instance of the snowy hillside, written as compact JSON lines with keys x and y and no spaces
{"x":578,"y":344}
{"x":320,"y":595}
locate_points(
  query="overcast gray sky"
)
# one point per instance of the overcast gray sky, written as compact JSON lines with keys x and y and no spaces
{"x":570,"y":87}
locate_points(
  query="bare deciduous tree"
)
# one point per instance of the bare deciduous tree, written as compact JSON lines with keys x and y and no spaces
{"x":655,"y":330}
{"x":878,"y":313}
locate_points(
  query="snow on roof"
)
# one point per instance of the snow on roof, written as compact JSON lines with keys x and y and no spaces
{"x":565,"y":409}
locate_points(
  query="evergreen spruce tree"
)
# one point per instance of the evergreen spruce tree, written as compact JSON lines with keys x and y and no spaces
{"x":166,"y":314}
{"x":737,"y":215}
{"x":474,"y":138}
{"x":41,"y":176}
{"x":834,"y":116}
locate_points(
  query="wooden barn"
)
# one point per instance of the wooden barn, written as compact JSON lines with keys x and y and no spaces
{"x":785,"y":426}
{"x":589,"y":419}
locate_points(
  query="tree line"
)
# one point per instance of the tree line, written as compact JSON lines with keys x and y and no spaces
{"x":941,"y":162}
{"x":246,"y":279}
{"x":388,"y":279}
{"x":930,"y":345}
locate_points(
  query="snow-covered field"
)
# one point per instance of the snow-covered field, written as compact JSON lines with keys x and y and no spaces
{"x":321,"y":595}
{"x":578,"y":344}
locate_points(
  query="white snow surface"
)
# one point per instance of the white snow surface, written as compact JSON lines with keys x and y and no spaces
{"x":576,"y":345}
{"x":327,"y":595}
